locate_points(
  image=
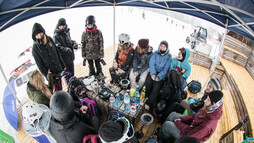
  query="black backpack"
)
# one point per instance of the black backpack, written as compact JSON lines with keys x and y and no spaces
{"x":77,"y":88}
{"x":175,"y":79}
{"x":194,"y":86}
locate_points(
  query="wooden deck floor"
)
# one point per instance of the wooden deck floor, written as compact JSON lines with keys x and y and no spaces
{"x":245,"y":84}
{"x":197,"y":73}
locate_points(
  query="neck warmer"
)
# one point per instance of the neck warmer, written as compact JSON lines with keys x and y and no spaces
{"x":91,"y":30}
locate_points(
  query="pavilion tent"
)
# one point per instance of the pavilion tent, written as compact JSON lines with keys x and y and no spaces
{"x":234,"y":15}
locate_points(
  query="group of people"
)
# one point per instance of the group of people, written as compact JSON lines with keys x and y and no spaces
{"x":139,"y":64}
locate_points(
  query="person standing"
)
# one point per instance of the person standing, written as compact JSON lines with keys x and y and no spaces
{"x":92,"y":46}
{"x":65,"y":46}
{"x":47,"y":56}
{"x":142,"y":55}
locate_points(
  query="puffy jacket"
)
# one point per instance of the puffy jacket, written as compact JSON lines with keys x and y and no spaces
{"x":182,"y":65}
{"x":159,"y":64}
{"x":201,"y":125}
{"x":72,"y":131}
{"x":92,"y":44}
{"x":46,"y":56}
{"x":124,"y":58}
{"x":141,"y":63}
{"x":65,"y":45}
{"x":37,"y":95}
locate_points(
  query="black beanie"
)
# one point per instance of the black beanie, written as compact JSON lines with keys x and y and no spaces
{"x":164,"y":43}
{"x":111,"y":131}
{"x":187,"y":139}
{"x":143,"y":43}
{"x":215,"y":96}
{"x":61,"y":21}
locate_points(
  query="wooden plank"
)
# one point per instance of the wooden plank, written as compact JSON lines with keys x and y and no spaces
{"x":245,"y":84}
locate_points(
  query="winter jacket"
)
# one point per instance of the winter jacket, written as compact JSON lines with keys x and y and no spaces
{"x":92,"y":44}
{"x":141,"y":63}
{"x":65,"y":45}
{"x":72,"y":131}
{"x":201,"y":125}
{"x":124,"y":58}
{"x":37,"y":95}
{"x":182,"y":65}
{"x":46,"y":56}
{"x":159,"y":65}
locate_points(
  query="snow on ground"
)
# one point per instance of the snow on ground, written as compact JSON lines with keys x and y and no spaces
{"x":154,"y":26}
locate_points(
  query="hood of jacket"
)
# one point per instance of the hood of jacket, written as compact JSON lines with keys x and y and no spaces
{"x":216,"y":114}
{"x":187,"y":55}
{"x":37,"y":28}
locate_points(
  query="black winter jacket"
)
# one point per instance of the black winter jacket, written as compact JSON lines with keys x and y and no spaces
{"x":65,"y":45}
{"x":72,"y":131}
{"x":46,"y":56}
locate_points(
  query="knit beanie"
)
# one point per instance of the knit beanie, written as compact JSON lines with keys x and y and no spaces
{"x":61,"y":21}
{"x":164,"y":43}
{"x":111,"y":131}
{"x":187,"y":139}
{"x":215,"y":96}
{"x":143,"y":43}
{"x":215,"y":82}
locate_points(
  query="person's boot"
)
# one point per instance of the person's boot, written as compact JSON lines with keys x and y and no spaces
{"x":91,"y":71}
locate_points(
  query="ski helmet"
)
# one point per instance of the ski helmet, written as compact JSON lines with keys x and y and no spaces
{"x":31,"y":112}
{"x":90,"y":20}
{"x":62,"y":106}
{"x":124,"y":38}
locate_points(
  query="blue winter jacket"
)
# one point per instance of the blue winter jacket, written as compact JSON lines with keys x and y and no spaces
{"x":159,"y":65}
{"x":182,"y":65}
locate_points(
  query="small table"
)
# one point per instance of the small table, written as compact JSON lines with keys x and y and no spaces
{"x":105,"y":108}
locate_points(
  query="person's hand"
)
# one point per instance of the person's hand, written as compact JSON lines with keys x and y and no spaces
{"x":49,"y":71}
{"x":83,"y":109}
{"x":153,"y":77}
{"x":65,"y":69}
{"x":183,"y":70}
{"x":115,"y":65}
{"x":136,"y":73}
{"x":177,"y":120}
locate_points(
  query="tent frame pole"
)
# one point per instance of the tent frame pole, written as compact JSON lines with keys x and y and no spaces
{"x":8,"y":84}
{"x":114,"y":25}
{"x":217,"y":59}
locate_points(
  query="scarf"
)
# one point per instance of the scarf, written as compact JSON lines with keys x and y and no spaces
{"x":92,"y":30}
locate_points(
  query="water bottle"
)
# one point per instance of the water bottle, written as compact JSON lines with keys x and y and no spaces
{"x":133,"y":109}
{"x":137,"y":96}
{"x":126,"y":102}
{"x":112,"y":100}
{"x":117,"y":102}
{"x":132,"y":91}
{"x":142,"y":96}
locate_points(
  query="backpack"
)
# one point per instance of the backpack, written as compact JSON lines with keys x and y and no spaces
{"x":91,"y":139}
{"x":194,"y":86}
{"x":114,"y":115}
{"x":77,"y":88}
{"x":176,"y":79}
{"x":92,"y":106}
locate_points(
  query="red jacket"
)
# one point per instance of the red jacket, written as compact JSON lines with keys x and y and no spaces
{"x":201,"y":125}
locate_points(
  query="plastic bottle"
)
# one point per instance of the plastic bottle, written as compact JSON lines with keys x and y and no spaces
{"x":142,"y":96}
{"x":126,"y":101}
{"x":133,"y":109}
{"x":132,"y":90}
{"x":112,"y":100}
{"x":117,"y":102}
{"x":137,"y":96}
